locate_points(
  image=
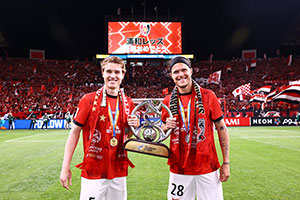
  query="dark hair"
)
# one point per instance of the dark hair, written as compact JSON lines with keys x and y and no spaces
{"x":179,"y":59}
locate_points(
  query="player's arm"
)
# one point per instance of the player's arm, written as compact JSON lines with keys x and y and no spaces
{"x":224,"y":143}
{"x":66,"y":174}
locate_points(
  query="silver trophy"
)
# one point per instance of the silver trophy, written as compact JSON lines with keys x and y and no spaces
{"x":149,"y":134}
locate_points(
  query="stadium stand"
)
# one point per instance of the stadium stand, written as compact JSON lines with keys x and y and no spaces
{"x":56,"y":86}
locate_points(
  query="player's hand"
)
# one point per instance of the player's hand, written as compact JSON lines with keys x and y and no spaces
{"x":170,"y":123}
{"x":224,"y":173}
{"x":133,"y":120}
{"x":66,"y":178}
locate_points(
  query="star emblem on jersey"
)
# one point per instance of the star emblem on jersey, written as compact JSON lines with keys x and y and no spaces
{"x":102,"y":118}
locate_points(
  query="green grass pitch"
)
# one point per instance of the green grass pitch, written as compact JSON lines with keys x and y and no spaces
{"x":265,"y":164}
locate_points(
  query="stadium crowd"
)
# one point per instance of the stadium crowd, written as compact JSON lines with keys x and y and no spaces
{"x":56,"y":86}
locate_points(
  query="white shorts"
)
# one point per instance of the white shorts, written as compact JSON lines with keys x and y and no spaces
{"x":103,"y":189}
{"x":187,"y":187}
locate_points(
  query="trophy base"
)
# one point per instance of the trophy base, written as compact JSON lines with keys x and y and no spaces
{"x":150,"y":148}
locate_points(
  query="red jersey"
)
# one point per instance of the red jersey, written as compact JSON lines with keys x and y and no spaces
{"x":113,"y":158}
{"x":202,"y":157}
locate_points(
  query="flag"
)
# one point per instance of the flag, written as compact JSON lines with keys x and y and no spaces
{"x":72,"y":76}
{"x":34,"y":69}
{"x":290,"y":60}
{"x":10,"y":68}
{"x":165,"y":91}
{"x":70,"y":97}
{"x":247,"y":68}
{"x":211,"y":58}
{"x":86,"y":65}
{"x":242,"y":91}
{"x":43,"y":88}
{"x":228,"y":69}
{"x":257,"y":98}
{"x":270,"y":96}
{"x":66,"y":74}
{"x":49,"y":79}
{"x":0,"y":88}
{"x":30,"y":91}
{"x":272,"y":114}
{"x":249,"y":54}
{"x":291,"y":94}
{"x":36,"y":54}
{"x":16,"y":92}
{"x":253,"y":63}
{"x":55,"y":89}
{"x":215,"y":77}
{"x":265,"y":89}
{"x":294,"y":82}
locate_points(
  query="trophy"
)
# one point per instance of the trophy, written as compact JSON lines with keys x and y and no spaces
{"x":149,"y":134}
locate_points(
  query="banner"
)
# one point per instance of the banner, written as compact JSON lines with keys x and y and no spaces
{"x":25,"y":124}
{"x":144,"y":38}
{"x":36,"y":54}
{"x":273,"y":121}
{"x":237,"y":121}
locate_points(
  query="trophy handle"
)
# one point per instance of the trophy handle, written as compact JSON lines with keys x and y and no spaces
{"x":162,"y":134}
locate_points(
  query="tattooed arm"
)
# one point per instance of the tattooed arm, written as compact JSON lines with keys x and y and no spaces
{"x":224,"y":143}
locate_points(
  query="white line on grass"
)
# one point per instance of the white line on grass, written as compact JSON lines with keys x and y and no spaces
{"x":254,"y":137}
{"x":20,"y":138}
{"x":38,"y":141}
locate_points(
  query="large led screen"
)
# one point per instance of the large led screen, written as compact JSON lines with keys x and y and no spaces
{"x":144,"y":38}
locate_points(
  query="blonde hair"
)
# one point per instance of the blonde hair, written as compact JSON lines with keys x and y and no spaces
{"x":115,"y":60}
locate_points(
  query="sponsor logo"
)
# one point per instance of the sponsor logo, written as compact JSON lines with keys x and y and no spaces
{"x":288,"y":122}
{"x":232,"y":121}
{"x":262,"y":121}
{"x":277,"y":121}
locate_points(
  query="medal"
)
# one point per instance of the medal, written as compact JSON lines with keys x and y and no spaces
{"x":113,"y":123}
{"x":113,"y":142}
{"x":187,"y":138}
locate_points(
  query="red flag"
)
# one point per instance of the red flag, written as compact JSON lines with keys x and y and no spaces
{"x":249,"y":54}
{"x":290,"y":59}
{"x":258,"y":98}
{"x":228,"y":68}
{"x":55,"y":89}
{"x":43,"y":88}
{"x":215,"y":77}
{"x":10,"y":68}
{"x":34,"y":69}
{"x":30,"y":91}
{"x":86,"y":65}
{"x":290,"y":94}
{"x":49,"y":79}
{"x":70,"y":97}
{"x":0,"y":88}
{"x":165,"y":91}
{"x":253,"y":63}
